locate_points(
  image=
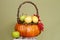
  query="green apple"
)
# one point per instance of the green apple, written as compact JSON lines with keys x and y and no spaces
{"x":22,"y":18}
{"x":28,"y":19}
{"x":16,"y":34}
{"x":35,"y":19}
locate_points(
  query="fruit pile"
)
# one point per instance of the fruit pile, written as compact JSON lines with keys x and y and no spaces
{"x":29,"y":19}
{"x":30,"y":26}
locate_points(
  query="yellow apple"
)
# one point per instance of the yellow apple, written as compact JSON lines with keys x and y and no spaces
{"x":35,"y":19}
{"x":22,"y":18}
{"x":28,"y":19}
{"x":16,"y":34}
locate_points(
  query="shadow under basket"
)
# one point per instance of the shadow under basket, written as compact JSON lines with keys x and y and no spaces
{"x":26,"y":38}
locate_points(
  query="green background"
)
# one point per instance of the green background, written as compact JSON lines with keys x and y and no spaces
{"x":49,"y":11}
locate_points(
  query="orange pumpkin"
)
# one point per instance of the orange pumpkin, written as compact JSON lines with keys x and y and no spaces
{"x":28,"y":30}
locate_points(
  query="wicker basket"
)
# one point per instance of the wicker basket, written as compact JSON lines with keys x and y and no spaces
{"x":22,"y":28}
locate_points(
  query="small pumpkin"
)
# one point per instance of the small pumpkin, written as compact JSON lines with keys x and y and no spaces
{"x":27,"y":30}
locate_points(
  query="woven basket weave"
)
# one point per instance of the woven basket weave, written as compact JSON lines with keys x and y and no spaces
{"x":37,"y":31}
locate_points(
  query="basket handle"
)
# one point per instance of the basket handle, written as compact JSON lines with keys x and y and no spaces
{"x":18,"y":21}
